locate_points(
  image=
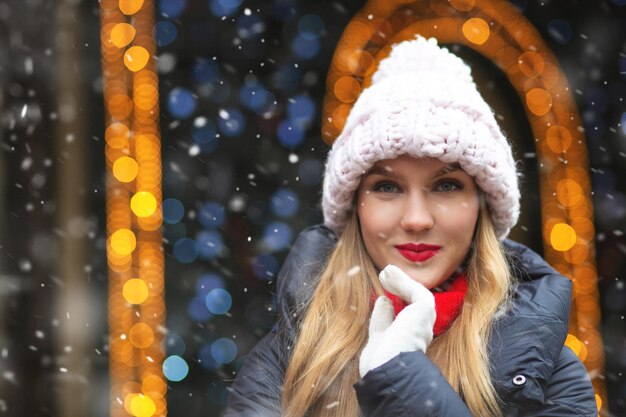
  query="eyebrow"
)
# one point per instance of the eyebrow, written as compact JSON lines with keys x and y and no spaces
{"x":386,"y":171}
{"x":447,"y":169}
{"x":380,"y":170}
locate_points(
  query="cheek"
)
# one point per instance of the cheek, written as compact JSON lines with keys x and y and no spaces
{"x":367,"y":217}
{"x":462,"y":220}
{"x":458,"y":217}
{"x":373,"y":218}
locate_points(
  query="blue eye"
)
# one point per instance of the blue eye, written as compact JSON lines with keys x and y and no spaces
{"x":448,"y":186}
{"x":386,"y":187}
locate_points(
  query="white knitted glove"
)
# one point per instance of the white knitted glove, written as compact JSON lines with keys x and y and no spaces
{"x":411,"y":330}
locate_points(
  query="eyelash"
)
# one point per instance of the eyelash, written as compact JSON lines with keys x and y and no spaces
{"x":457,"y":186}
{"x":378,"y":186}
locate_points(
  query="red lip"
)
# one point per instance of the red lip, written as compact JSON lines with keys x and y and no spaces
{"x":418,"y":253}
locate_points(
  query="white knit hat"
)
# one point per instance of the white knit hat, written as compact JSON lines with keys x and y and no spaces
{"x":423,"y":103}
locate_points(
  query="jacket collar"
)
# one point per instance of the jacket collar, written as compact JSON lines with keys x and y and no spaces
{"x":526,"y":339}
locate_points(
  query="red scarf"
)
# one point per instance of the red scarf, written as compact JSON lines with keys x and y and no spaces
{"x":448,"y":301}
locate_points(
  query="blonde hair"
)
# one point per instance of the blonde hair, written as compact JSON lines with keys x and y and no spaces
{"x":324,"y":365}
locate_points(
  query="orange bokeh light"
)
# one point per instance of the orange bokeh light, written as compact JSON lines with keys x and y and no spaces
{"x":122,"y":34}
{"x":569,"y":192}
{"x":539,"y":101}
{"x":476,"y":30}
{"x":141,"y":335}
{"x":531,"y":64}
{"x":129,"y":7}
{"x":136,"y":58}
{"x":347,"y":89}
{"x":562,"y":237}
{"x":125,"y":169}
{"x":558,"y":138}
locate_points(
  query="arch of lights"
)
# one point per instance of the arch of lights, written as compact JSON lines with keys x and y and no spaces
{"x":499,"y":32}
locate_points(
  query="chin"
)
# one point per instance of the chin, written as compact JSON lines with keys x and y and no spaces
{"x":426,"y":282}
{"x":426,"y":279}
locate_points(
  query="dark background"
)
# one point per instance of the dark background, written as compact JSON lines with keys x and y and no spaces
{"x":249,"y":191}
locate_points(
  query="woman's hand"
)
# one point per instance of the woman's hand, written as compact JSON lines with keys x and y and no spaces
{"x":411,"y":330}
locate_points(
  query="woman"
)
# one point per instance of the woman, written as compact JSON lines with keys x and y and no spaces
{"x":419,"y":308}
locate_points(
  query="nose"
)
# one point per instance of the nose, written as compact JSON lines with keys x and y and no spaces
{"x":417,"y":215}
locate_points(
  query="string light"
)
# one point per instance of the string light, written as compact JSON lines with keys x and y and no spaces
{"x":134,"y":215}
{"x":498,"y":31}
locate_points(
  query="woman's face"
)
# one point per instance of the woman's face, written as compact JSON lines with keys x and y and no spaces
{"x":418,"y":214}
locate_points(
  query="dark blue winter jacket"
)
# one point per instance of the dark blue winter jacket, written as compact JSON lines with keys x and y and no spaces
{"x":534,"y":373}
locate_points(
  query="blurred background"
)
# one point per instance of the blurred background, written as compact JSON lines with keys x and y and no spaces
{"x":241,"y":84}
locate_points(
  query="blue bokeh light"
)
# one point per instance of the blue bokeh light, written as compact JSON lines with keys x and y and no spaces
{"x":172,"y":9}
{"x":277,"y":236}
{"x":560,"y":30}
{"x":205,"y":71}
{"x":185,"y":250}
{"x":224,"y":7}
{"x":181,"y":103}
{"x":247,"y":90}
{"x":304,"y":48}
{"x":265,"y":266}
{"x":165,"y":33}
{"x":263,"y":102}
{"x":208,"y":282}
{"x":206,"y":358}
{"x":210,"y":244}
{"x":218,"y":301}
{"x":285,"y":202}
{"x":623,"y":122}
{"x":211,"y":215}
{"x":310,"y":26}
{"x":198,"y":311}
{"x":310,"y":171}
{"x":224,"y":350}
{"x":231,"y":122}
{"x":173,"y":210}
{"x":175,"y":368}
{"x":174,"y":344}
{"x":256,"y":97}
{"x":290,"y":134}
{"x":301,"y":109}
